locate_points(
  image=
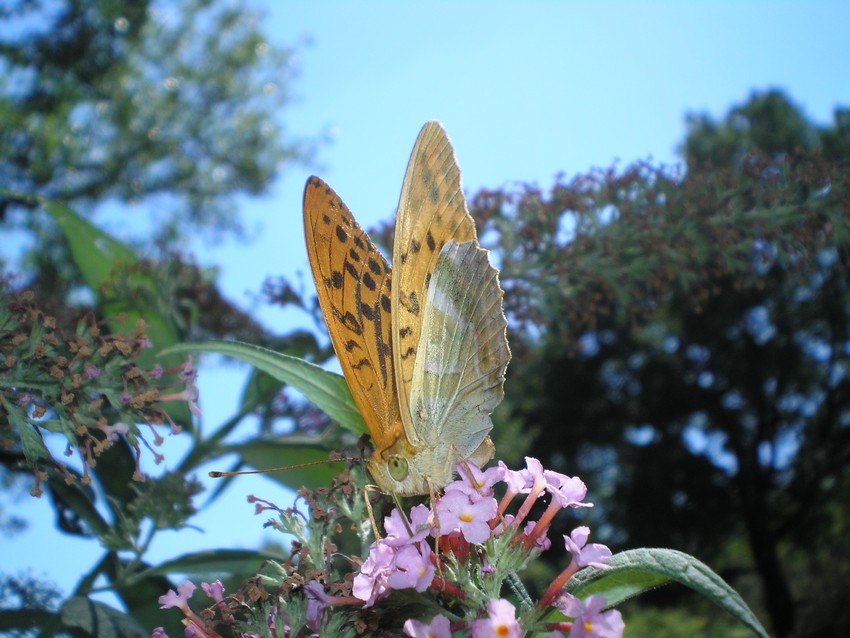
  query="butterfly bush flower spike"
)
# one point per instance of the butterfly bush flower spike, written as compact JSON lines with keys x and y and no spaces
{"x":466,"y":518}
{"x":478,"y":548}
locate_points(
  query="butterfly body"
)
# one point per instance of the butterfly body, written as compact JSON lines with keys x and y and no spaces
{"x":423,"y":346}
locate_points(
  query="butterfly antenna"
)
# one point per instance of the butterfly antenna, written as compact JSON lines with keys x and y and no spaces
{"x":216,"y":474}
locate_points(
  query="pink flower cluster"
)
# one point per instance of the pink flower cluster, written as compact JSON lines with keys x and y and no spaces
{"x":400,"y":561}
{"x":468,"y":514}
{"x":471,"y":529}
{"x":500,"y":622}
{"x":196,"y":627}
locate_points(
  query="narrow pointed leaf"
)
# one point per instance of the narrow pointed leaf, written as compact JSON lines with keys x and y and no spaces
{"x":99,"y":620}
{"x":220,"y":561}
{"x":95,"y":252}
{"x":638,"y":570}
{"x":328,"y":391}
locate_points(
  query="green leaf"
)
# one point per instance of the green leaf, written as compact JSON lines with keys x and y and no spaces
{"x":639,"y":570}
{"x":259,"y":389}
{"x":98,"y":255}
{"x":80,"y":500}
{"x":95,"y":252}
{"x":328,"y":391}
{"x":99,"y":620}
{"x":31,"y":441}
{"x":235,"y":562}
{"x":17,"y":621}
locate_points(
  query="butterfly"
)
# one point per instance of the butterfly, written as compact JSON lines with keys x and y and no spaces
{"x":423,"y":345}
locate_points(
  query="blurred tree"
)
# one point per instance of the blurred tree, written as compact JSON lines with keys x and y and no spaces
{"x":683,"y":341}
{"x":129,"y":100}
{"x":170,"y":109}
{"x":769,"y":122}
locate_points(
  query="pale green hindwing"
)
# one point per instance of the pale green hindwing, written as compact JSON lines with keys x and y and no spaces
{"x":463,"y":352}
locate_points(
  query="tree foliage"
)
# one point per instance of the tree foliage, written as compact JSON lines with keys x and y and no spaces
{"x":132,"y":100}
{"x":684,"y":337}
{"x":770,"y":122}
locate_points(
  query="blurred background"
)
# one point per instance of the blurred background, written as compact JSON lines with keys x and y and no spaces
{"x":663,"y":186}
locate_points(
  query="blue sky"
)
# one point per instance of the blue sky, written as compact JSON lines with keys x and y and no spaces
{"x":525,"y":91}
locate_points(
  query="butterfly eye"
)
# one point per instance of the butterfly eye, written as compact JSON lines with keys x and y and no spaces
{"x":397,"y":466}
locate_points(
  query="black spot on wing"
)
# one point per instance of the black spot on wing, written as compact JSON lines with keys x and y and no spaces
{"x":341,"y":235}
{"x":369,"y":282}
{"x":351,"y":345}
{"x":374,"y":266}
{"x":351,"y":270}
{"x":427,"y":176}
{"x":363,"y":363}
{"x":351,"y":322}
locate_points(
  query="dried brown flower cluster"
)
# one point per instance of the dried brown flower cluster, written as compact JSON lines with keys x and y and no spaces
{"x":86,"y":387}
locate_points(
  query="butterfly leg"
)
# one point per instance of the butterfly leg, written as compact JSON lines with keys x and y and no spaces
{"x":366,"y":489}
{"x":433,"y":498}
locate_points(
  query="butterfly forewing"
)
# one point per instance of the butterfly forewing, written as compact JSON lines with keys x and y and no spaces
{"x":423,"y":348}
{"x":353,"y":283}
{"x":432,"y":211}
{"x":460,"y":368}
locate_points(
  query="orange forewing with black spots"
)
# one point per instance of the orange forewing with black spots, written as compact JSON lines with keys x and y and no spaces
{"x":353,"y":283}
